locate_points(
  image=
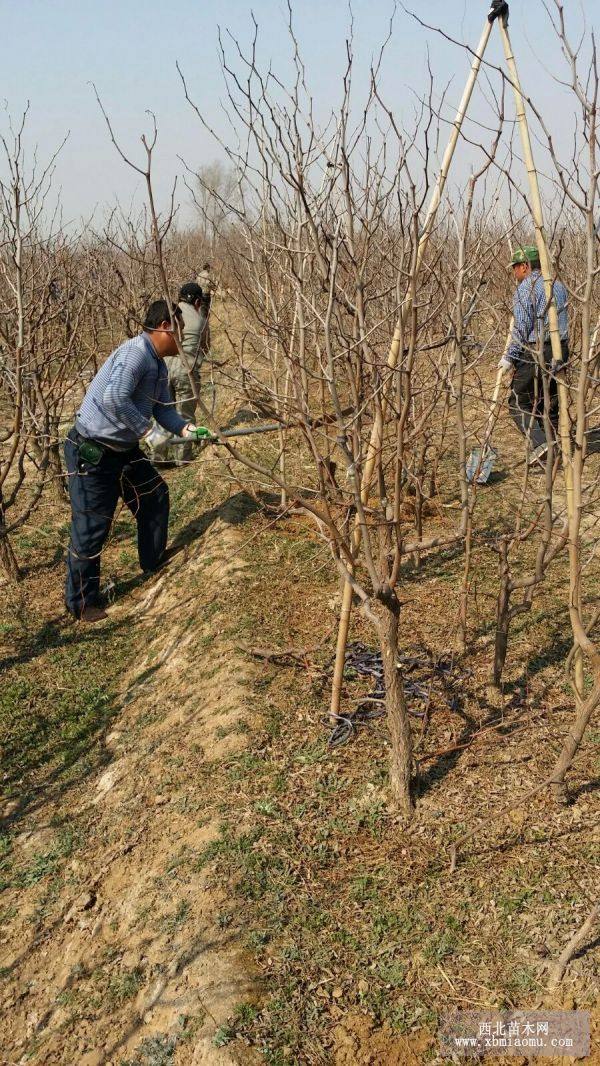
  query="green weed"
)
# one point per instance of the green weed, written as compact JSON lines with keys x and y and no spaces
{"x":514,"y":904}
{"x":244,"y":1014}
{"x":172,"y":922}
{"x":124,"y":986}
{"x":154,"y":1051}
{"x":224,"y":1035}
{"x":46,"y":863}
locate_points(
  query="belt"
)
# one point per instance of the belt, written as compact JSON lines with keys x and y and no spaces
{"x":78,"y":437}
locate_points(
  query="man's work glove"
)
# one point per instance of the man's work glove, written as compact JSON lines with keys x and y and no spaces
{"x":192,"y":432}
{"x":499,"y":9}
{"x":505,"y":365}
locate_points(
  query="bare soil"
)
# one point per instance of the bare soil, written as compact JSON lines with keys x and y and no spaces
{"x":190,"y":874}
{"x":123,"y":948}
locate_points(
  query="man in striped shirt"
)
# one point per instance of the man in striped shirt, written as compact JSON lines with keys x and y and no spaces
{"x":104,"y":461}
{"x":530,"y":349}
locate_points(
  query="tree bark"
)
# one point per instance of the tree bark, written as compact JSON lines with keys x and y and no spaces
{"x":463,"y":608}
{"x":576,"y":943}
{"x":59,"y":485}
{"x":8,"y":559}
{"x":387,"y":612}
{"x":571,"y":744}
{"x":503,"y":615}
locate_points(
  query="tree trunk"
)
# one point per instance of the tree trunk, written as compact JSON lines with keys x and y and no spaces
{"x":59,"y":486}
{"x":8,"y":560}
{"x":387,"y":611}
{"x":503,"y":615}
{"x":463,"y":608}
{"x":571,"y":744}
{"x":576,"y":943}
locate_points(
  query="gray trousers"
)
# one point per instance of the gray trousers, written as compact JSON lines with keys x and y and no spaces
{"x":526,"y":400}
{"x":185,"y":405}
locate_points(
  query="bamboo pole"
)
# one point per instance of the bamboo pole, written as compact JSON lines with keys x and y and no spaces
{"x":536,"y":208}
{"x":393,"y":356}
{"x":564,"y":428}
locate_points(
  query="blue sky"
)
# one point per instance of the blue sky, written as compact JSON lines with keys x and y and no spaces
{"x":129,"y":49}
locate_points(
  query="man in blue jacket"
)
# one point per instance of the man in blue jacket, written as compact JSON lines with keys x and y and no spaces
{"x":529,"y":353}
{"x":105,"y":463}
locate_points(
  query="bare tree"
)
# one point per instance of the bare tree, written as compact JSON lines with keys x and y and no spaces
{"x":217,"y":198}
{"x":342,"y":302}
{"x":41,"y":307}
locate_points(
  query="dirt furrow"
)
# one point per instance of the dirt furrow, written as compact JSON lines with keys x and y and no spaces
{"x":134,"y":959}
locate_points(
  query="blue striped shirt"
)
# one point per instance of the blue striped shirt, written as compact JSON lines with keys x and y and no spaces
{"x":128,"y":390}
{"x":529,"y":309}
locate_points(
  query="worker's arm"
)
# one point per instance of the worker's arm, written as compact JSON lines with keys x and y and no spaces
{"x":164,"y":409}
{"x":524,"y":321}
{"x":540,"y":305}
{"x":117,"y":400}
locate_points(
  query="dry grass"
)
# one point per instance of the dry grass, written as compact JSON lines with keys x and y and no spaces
{"x":349,"y":914}
{"x":360,"y":933}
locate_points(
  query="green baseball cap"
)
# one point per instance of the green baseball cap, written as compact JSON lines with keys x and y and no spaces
{"x":527,"y":254}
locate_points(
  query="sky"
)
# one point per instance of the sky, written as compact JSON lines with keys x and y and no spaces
{"x":53,"y":51}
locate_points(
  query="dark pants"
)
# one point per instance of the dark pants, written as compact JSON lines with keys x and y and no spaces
{"x":95,"y":492}
{"x":526,"y":400}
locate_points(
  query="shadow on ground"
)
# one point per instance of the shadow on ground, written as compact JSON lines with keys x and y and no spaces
{"x":54,"y":739}
{"x":55,"y":717}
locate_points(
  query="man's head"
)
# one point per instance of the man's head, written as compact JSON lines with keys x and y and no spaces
{"x":158,"y":324}
{"x":524,"y":260}
{"x":191,"y":293}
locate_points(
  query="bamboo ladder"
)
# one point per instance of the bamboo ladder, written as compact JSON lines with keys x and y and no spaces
{"x":393,"y":356}
{"x":394,"y":352}
{"x":564,"y":428}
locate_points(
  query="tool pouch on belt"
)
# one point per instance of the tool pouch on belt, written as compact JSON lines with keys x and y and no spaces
{"x":90,"y":451}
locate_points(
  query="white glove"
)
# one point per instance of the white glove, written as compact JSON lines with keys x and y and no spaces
{"x":505,"y":365}
{"x":189,"y":430}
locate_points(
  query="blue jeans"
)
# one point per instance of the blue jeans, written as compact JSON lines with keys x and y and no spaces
{"x":94,"y":492}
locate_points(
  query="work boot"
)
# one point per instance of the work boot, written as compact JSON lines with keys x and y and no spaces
{"x":157,"y":569}
{"x":92,"y":614}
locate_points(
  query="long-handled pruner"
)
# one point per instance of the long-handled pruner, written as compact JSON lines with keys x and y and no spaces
{"x":204,"y":436}
{"x":481,"y":461}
